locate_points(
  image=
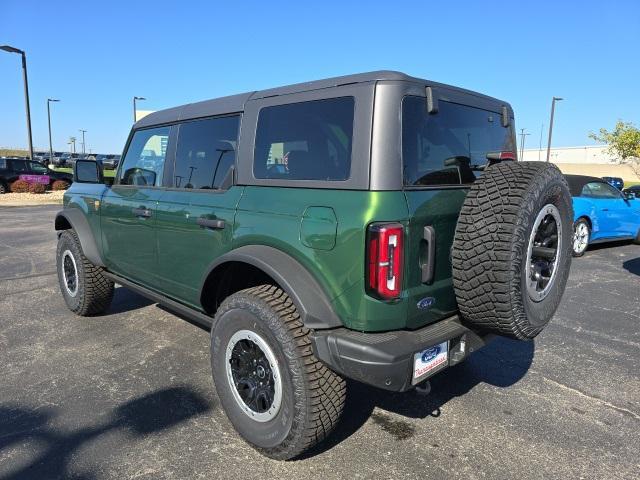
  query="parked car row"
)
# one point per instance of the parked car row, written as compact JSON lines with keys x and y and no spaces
{"x":12,"y":169}
{"x":64,"y":159}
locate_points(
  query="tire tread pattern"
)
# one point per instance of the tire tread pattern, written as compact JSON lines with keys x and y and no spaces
{"x":320,"y":401}
{"x":490,"y":244}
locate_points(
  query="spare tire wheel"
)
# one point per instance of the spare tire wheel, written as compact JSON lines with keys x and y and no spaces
{"x":512,"y":248}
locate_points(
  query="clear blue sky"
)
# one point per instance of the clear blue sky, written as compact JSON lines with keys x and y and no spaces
{"x":95,"y":56}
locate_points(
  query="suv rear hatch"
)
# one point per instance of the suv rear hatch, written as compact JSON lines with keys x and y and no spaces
{"x":444,"y":150}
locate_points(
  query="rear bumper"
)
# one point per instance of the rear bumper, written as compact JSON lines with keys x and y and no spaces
{"x":385,"y":360}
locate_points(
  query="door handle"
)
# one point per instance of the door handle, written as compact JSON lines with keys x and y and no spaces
{"x":214,"y":224}
{"x":427,"y":265}
{"x":141,"y":212}
{"x":605,"y":209}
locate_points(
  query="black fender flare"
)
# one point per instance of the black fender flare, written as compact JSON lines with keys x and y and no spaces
{"x":75,"y":218}
{"x":306,"y":293}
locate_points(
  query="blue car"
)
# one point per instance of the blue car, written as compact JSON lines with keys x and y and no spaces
{"x":601,"y":213}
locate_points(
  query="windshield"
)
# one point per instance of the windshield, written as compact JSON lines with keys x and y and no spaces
{"x":451,"y":146}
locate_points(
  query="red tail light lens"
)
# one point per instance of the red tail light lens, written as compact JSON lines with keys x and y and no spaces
{"x":384,"y":265}
{"x":507,"y":156}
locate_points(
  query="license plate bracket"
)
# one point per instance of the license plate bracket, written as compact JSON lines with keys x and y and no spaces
{"x":429,"y":361}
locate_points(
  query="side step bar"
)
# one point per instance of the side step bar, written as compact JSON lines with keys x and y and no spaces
{"x":176,"y":307}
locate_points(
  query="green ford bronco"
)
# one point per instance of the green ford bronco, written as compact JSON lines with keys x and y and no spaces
{"x":376,"y":227}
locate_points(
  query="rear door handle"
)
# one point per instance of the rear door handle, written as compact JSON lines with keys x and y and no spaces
{"x":211,"y":223}
{"x":141,"y":212}
{"x":427,"y":265}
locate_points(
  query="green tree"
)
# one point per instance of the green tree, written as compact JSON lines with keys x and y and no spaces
{"x":623,"y":142}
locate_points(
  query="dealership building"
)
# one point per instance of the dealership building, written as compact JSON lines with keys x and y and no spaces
{"x":592,"y":160}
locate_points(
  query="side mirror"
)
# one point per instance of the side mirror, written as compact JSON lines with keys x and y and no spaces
{"x":87,"y":171}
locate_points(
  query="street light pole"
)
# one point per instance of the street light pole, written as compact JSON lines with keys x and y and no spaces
{"x":553,"y":108}
{"x":83,"y":132}
{"x":49,"y":100}
{"x":8,"y":48}
{"x":135,"y":117}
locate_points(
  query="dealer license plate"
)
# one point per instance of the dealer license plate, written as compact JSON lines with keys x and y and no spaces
{"x":429,"y":361}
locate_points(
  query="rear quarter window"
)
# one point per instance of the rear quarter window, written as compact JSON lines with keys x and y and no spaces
{"x":305,"y":141}
{"x":449,"y":147}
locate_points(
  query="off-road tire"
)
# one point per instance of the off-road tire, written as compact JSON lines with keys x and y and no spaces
{"x":94,"y":290}
{"x":489,"y":252}
{"x":312,"y":395}
{"x":580,"y":221}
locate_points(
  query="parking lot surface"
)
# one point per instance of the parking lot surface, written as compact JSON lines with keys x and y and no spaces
{"x":129,"y":394}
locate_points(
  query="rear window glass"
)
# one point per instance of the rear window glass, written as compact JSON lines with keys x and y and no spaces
{"x":449,"y":147}
{"x":305,"y":141}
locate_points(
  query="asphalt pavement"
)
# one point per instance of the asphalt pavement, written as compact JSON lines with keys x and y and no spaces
{"x":129,"y":394}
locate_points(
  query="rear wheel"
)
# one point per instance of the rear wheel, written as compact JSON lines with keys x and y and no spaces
{"x":278,"y":396}
{"x":512,"y":248}
{"x":581,"y":237}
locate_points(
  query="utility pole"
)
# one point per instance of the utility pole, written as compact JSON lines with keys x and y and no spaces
{"x":522,"y":135}
{"x":553,"y":108}
{"x":83,"y":132}
{"x":49,"y":100}
{"x":10,"y":49}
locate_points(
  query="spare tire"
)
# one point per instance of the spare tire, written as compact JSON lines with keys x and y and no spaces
{"x":511,"y":252}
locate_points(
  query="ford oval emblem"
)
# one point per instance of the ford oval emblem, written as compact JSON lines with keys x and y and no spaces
{"x":430,"y":354}
{"x":426,"y":303}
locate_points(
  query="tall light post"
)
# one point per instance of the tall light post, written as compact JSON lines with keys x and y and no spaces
{"x":135,"y":117}
{"x":83,"y":132}
{"x":10,"y":49}
{"x":553,"y":109}
{"x":522,"y":135}
{"x":49,"y":100}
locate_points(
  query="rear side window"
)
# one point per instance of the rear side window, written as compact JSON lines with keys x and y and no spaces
{"x":600,"y":190}
{"x":206,"y":152}
{"x":144,"y":162}
{"x":305,"y":141}
{"x":451,"y":146}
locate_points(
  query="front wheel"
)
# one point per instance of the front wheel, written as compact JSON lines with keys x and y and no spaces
{"x":85,"y":289}
{"x":278,"y":396}
{"x":581,"y":237}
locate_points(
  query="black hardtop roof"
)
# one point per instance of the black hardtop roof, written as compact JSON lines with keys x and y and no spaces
{"x":235,"y":103}
{"x":577,"y":182}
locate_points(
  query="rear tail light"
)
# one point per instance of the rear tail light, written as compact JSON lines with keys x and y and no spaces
{"x":384,"y":260}
{"x":507,"y":156}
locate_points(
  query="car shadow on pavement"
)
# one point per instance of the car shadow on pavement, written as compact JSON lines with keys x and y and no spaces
{"x":632,"y":266}
{"x":502,"y":363}
{"x":21,"y":426}
{"x":124,"y":300}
